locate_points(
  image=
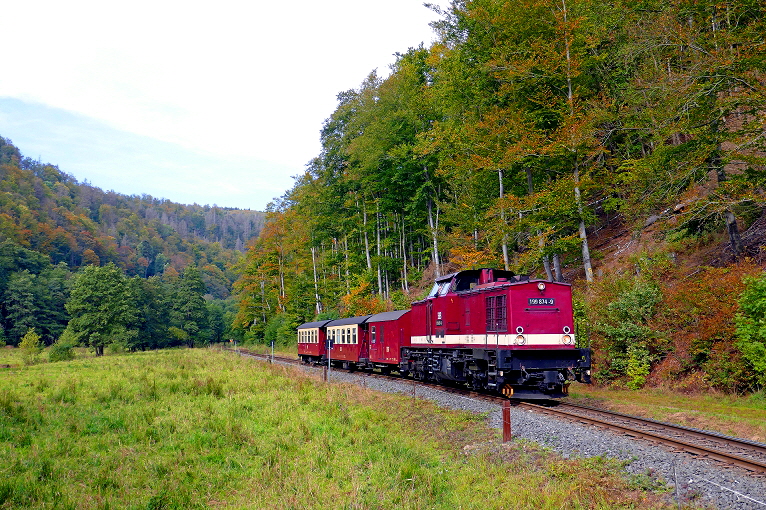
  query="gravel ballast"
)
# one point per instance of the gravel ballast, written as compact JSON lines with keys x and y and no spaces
{"x":705,"y":482}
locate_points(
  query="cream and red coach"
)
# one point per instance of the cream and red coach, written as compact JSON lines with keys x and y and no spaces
{"x":491,"y":329}
{"x":312,"y":341}
{"x":348,"y":338}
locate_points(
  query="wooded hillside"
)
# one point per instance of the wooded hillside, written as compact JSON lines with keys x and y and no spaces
{"x":529,"y":133}
{"x":51,"y":226}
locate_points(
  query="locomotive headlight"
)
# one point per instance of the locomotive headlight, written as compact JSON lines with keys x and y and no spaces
{"x":566,"y":330}
{"x":566,"y":339}
{"x":541,"y":286}
{"x":520,"y":340}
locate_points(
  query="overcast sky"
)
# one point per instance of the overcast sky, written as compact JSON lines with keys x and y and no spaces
{"x":214,"y":103}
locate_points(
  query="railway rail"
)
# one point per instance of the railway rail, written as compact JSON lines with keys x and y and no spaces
{"x":749,"y":455}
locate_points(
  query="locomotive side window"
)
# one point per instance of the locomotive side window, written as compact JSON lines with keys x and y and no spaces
{"x":497,"y":314}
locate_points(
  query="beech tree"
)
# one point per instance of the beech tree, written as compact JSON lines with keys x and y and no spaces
{"x":102,"y":306}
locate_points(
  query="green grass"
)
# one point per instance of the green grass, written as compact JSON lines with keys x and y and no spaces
{"x":203,"y":428}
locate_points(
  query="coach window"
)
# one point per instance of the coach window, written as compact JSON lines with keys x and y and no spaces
{"x":373,"y":338}
{"x":382,"y":337}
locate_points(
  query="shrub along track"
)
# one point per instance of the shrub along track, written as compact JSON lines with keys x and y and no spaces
{"x":729,"y":450}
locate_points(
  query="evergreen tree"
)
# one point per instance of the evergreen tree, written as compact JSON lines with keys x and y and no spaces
{"x":20,"y":307}
{"x":189,"y":310}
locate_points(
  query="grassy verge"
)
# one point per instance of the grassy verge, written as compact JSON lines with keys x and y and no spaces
{"x":737,"y":416}
{"x":204,"y":428}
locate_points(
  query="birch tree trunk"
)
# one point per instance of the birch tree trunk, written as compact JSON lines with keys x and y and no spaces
{"x":546,"y":260}
{"x":506,"y":262}
{"x":405,"y":285}
{"x":318,"y":302}
{"x":735,"y":239}
{"x":377,"y":247}
{"x":547,"y":265}
{"x":366,"y":241}
{"x":583,"y":233}
{"x":570,"y":97}
{"x":557,"y":267}
{"x":433,"y":225}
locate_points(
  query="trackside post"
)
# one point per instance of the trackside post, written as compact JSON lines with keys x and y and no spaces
{"x":506,"y":421}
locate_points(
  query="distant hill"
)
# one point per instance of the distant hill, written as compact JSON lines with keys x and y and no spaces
{"x":48,"y":211}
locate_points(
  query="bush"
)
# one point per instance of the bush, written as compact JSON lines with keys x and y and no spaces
{"x":625,"y":332}
{"x":751,"y":326}
{"x":31,"y":347}
{"x":638,"y":366}
{"x":60,"y":351}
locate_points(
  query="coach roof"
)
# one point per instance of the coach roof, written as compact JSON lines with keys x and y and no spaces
{"x":350,"y":320}
{"x":317,"y":324}
{"x":387,"y":316}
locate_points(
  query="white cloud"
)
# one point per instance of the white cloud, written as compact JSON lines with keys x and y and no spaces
{"x":252,"y":80}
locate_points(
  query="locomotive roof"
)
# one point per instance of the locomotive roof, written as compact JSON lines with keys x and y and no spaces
{"x":387,"y":316}
{"x":315,"y":324}
{"x":501,"y":273}
{"x":349,"y":320}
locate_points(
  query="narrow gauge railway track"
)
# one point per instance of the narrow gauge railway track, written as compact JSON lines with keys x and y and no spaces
{"x":746,"y":454}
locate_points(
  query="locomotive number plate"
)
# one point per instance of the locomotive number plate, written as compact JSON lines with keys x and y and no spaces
{"x":541,"y":301}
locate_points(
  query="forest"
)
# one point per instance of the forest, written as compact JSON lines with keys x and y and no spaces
{"x":166,"y":270}
{"x":618,"y":146}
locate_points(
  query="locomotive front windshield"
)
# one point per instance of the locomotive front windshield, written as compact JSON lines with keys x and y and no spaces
{"x":440,"y":288}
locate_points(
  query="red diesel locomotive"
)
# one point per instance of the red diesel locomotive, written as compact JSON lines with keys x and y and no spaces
{"x":485,"y":328}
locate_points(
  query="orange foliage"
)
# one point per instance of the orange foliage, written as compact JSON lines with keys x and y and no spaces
{"x":697,"y":315}
{"x":361,"y":301}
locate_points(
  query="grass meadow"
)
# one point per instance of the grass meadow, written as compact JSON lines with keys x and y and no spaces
{"x":201,"y":428}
